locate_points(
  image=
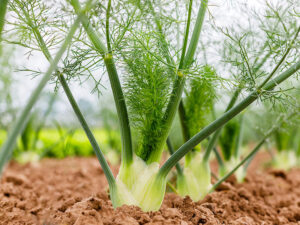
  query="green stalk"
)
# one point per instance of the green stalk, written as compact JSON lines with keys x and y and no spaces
{"x":17,"y":128}
{"x":107,"y":26}
{"x":211,"y":144}
{"x":219,"y":158}
{"x":180,"y":81}
{"x":106,"y":169}
{"x":171,"y":61}
{"x":181,"y":109}
{"x":127,"y":155}
{"x":247,"y":164}
{"x":221,"y":121}
{"x":3,"y":7}
{"x":195,"y":36}
{"x":182,"y":116}
{"x":189,"y":57}
{"x":213,"y":140}
{"x":171,"y":151}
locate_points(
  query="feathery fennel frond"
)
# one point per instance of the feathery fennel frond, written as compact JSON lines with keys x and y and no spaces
{"x":82,"y":65}
{"x":199,"y":100}
{"x":35,"y":14}
{"x":251,"y":50}
{"x":147,"y":88}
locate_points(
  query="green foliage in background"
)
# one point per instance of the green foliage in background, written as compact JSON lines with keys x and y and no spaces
{"x":56,"y":143}
{"x":227,"y":140}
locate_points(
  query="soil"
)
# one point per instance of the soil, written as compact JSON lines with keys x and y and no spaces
{"x":74,"y":191}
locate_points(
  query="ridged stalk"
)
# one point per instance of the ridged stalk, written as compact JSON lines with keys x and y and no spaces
{"x":195,"y":35}
{"x":107,"y":26}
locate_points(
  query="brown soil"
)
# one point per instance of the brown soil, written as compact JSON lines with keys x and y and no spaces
{"x":74,"y":191}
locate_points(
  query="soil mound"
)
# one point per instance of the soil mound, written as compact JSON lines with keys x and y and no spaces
{"x":74,"y":191}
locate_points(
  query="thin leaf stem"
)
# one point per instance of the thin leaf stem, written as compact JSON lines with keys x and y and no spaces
{"x":3,"y":7}
{"x":162,"y":35}
{"x":189,"y":57}
{"x":262,"y":62}
{"x":107,"y":26}
{"x":36,"y":32}
{"x":185,"y":40}
{"x":216,"y":135}
{"x":181,"y":110}
{"x":219,"y":158}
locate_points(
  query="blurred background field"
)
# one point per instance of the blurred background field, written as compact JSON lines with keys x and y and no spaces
{"x":60,"y":143}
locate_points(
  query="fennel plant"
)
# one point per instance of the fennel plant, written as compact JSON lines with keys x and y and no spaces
{"x":159,"y":79}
